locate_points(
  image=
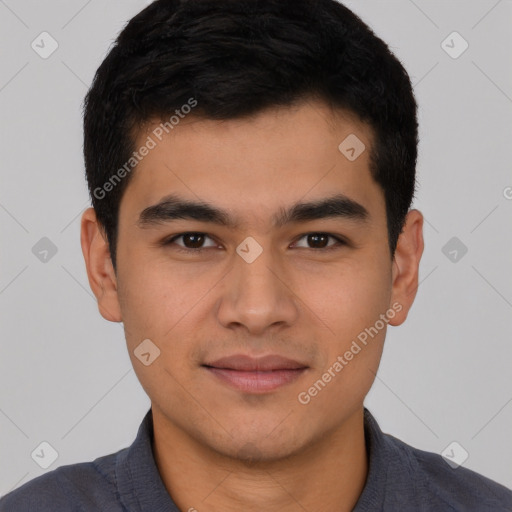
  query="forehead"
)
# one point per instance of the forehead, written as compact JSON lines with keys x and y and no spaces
{"x":256,"y":165}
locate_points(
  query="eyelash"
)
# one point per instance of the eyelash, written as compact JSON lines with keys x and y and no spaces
{"x":169,"y":241}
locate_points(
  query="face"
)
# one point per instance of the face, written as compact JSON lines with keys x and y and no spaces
{"x":256,"y":277}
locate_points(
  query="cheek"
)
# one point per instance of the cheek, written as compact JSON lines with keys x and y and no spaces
{"x":155,"y":296}
{"x":170,"y":307}
{"x":350,"y":298}
{"x":359,"y":312}
{"x":351,"y":307}
{"x":156,"y":306}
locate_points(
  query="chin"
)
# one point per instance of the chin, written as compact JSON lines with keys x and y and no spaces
{"x":258,"y":447}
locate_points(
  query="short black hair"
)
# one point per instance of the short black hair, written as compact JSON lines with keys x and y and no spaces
{"x":235,"y":58}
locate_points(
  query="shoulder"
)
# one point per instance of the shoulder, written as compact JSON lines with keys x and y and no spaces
{"x":75,"y":487}
{"x":458,"y":488}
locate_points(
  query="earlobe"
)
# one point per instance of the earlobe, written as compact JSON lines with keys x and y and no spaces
{"x":100,"y":271}
{"x":406,"y":265}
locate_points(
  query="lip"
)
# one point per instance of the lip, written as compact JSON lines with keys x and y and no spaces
{"x":256,"y":375}
{"x":248,"y":363}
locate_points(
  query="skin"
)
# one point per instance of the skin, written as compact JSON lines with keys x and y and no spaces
{"x":217,"y":448}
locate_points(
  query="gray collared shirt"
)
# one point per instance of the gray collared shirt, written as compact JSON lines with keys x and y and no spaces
{"x":400,"y":478}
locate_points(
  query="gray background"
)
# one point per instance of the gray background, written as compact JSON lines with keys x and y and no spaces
{"x":65,"y":375}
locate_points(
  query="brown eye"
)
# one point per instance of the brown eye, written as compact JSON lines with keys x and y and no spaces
{"x":192,"y":241}
{"x":320,"y":241}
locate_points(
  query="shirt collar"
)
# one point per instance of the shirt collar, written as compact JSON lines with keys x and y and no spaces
{"x":377,"y":450}
{"x":141,"y":487}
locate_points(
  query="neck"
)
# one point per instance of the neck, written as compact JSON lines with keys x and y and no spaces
{"x":327,"y":475}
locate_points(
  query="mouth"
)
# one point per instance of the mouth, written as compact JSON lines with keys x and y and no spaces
{"x":256,"y":375}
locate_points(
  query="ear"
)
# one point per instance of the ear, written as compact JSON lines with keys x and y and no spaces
{"x":406,"y":265}
{"x":100,"y":271}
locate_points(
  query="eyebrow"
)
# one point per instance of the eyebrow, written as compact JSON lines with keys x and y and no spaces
{"x":173,"y":207}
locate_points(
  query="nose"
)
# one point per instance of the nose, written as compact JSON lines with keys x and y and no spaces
{"x":258,"y":295}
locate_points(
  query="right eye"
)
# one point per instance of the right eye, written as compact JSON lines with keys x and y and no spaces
{"x":192,"y":241}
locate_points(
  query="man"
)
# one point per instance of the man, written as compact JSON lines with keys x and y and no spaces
{"x":251,"y":167}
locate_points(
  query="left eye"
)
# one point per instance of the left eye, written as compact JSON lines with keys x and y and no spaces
{"x":319,"y":241}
